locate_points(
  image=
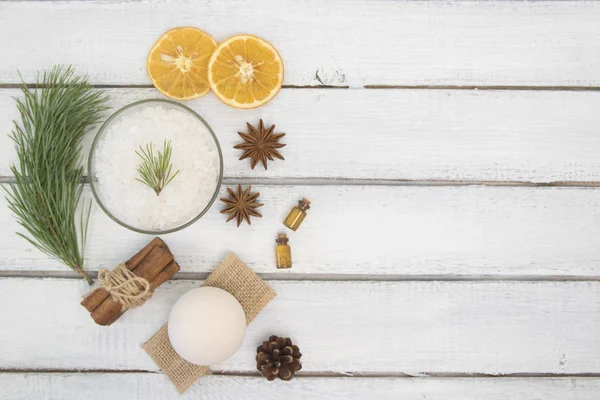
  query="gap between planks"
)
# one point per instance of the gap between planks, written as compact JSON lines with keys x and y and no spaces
{"x":488,"y":87}
{"x":320,"y":374}
{"x":147,"y":86}
{"x":199,"y":276}
{"x":378,"y":182}
{"x":371,"y":86}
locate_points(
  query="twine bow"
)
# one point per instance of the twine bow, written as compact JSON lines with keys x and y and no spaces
{"x":124,"y":286}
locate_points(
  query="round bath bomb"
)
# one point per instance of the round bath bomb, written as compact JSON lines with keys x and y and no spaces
{"x":206,"y":326}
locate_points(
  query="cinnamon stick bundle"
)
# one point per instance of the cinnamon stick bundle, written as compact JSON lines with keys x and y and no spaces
{"x":155,"y":263}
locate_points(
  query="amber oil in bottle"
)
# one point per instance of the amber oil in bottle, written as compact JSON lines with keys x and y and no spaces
{"x":297,"y":215}
{"x":283,"y":253}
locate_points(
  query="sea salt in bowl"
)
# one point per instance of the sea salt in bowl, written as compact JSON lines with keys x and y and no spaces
{"x":113,"y":164}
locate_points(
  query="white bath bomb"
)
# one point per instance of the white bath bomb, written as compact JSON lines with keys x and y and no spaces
{"x":206,"y":326}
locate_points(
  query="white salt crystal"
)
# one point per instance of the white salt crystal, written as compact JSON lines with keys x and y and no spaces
{"x":194,"y":154}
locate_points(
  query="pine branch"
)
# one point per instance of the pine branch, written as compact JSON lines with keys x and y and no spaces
{"x":155,"y":169}
{"x":54,"y":118}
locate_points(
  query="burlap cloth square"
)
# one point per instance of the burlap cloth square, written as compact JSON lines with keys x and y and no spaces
{"x":233,"y":276}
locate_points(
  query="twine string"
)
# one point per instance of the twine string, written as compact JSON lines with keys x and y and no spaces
{"x":125,"y":287}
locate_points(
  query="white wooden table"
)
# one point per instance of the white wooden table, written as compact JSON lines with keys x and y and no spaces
{"x":452,"y":155}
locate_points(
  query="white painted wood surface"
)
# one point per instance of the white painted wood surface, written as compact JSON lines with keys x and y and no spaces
{"x":348,"y":43}
{"x":540,"y":136}
{"x":127,"y":386}
{"x":342,"y":327}
{"x":373,"y":230}
{"x":376,"y":265}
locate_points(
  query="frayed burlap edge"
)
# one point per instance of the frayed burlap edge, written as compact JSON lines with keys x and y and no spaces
{"x":233,"y":276}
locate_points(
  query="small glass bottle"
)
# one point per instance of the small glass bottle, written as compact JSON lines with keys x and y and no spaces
{"x":283,"y":254}
{"x":297,"y":215}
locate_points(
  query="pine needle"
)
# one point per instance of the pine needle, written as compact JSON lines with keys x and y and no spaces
{"x":55,"y":115}
{"x":155,"y":169}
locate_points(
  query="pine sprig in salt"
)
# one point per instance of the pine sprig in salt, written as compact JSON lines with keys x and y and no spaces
{"x":155,"y":169}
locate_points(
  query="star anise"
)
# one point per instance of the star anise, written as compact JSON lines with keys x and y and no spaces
{"x":241,"y":205}
{"x":261,"y":144}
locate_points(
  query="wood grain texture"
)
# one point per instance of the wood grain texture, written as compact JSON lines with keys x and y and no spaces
{"x":400,"y":134}
{"x":354,"y":42}
{"x":377,"y":230}
{"x":369,"y":327}
{"x":147,"y":386}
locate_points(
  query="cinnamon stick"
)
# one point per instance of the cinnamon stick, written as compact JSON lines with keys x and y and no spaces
{"x":97,"y":296}
{"x":167,"y":273}
{"x":136,"y":259}
{"x":148,"y":268}
{"x":94,"y":299}
{"x":154,"y":263}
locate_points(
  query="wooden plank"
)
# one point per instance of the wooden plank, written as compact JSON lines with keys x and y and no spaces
{"x":352,"y":43}
{"x":407,"y":327}
{"x":100,"y":386}
{"x":368,"y":231}
{"x":401,"y":134}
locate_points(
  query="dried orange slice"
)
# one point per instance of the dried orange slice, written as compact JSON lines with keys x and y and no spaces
{"x":245,"y":71}
{"x":177,"y":64}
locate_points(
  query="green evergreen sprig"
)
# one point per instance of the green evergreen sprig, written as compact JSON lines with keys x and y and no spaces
{"x":155,"y":170}
{"x":55,"y":115}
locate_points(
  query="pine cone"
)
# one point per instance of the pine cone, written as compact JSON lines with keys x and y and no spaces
{"x":278,"y":357}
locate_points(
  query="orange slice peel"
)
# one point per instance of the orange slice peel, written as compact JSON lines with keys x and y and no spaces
{"x":245,"y":71}
{"x":177,"y":63}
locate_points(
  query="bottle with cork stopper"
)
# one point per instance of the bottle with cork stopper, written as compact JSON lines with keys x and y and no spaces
{"x":283,"y":253}
{"x":297,"y":214}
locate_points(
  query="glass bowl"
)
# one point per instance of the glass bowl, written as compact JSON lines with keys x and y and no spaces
{"x":168,"y":104}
